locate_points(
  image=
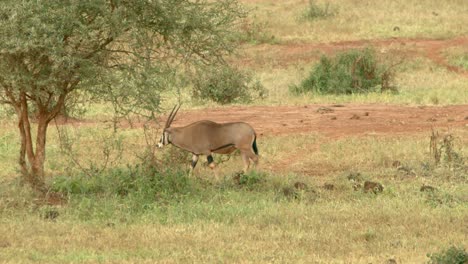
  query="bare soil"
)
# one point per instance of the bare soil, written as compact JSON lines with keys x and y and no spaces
{"x":339,"y":121}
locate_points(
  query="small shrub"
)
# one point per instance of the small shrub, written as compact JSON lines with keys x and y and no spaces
{"x":355,"y":71}
{"x":446,"y":153}
{"x":315,"y":11}
{"x":453,"y":255}
{"x":224,"y":85}
{"x":255,"y":33}
{"x":251,"y":180}
{"x":176,"y":157}
{"x":370,"y":235}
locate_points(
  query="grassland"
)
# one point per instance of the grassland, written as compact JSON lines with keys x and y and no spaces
{"x":129,"y":212}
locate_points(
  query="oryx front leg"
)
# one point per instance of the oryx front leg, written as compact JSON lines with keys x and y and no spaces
{"x":212,"y":165}
{"x":194,"y":163}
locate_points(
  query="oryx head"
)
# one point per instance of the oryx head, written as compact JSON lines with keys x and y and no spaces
{"x":165,"y":137}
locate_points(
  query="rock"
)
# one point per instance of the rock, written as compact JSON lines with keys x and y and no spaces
{"x":357,"y":186}
{"x":407,"y":170}
{"x":355,"y":176}
{"x":288,"y":192}
{"x":427,"y":188}
{"x":355,"y":117}
{"x":396,"y":164}
{"x":374,"y":187}
{"x":237,"y":176}
{"x":300,"y":186}
{"x":51,"y":214}
{"x":324,"y":110}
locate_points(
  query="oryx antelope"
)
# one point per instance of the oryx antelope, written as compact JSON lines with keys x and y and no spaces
{"x":207,"y":137}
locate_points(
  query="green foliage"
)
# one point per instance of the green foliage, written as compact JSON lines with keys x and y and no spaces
{"x":251,"y":180}
{"x":452,"y":255}
{"x":355,"y":71}
{"x":461,"y":61}
{"x":224,"y":85}
{"x":141,"y":181}
{"x":119,"y":51}
{"x":316,"y":11}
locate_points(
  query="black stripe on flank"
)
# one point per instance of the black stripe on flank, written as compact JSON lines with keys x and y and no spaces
{"x":225,"y":146}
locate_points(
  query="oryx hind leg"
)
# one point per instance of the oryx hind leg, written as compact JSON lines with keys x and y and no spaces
{"x":245,"y":159}
{"x":212,"y":165}
{"x":251,"y":150}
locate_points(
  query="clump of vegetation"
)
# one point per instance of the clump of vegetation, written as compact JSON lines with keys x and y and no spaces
{"x":462,"y":61}
{"x":224,"y":85}
{"x":458,"y":57}
{"x":254,"y":32}
{"x":443,"y":149}
{"x":147,"y":182}
{"x":452,"y":255}
{"x":445,"y":153}
{"x":315,"y":11}
{"x":355,"y":71}
{"x":251,"y":180}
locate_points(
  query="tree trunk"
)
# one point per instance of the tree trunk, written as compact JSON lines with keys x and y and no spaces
{"x":32,"y":162}
{"x":39,"y":158}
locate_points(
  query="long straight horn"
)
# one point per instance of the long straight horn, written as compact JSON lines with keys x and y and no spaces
{"x":173,"y":115}
{"x":168,"y":121}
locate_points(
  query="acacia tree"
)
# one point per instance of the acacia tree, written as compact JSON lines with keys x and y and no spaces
{"x":118,"y":50}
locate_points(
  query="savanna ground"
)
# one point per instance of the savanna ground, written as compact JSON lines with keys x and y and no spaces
{"x":304,"y":203}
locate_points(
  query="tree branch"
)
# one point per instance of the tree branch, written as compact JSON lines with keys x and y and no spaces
{"x":100,"y":48}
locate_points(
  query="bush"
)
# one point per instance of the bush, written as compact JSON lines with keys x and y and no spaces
{"x":253,"y":32}
{"x":315,"y":11}
{"x":453,"y":255}
{"x":355,"y":71}
{"x":251,"y":180}
{"x":224,"y":85}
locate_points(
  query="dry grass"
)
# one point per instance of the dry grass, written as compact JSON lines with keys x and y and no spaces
{"x":355,"y":228}
{"x":362,"y":19}
{"x":239,"y":225}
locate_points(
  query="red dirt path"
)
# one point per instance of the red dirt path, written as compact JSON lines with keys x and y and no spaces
{"x":339,"y":121}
